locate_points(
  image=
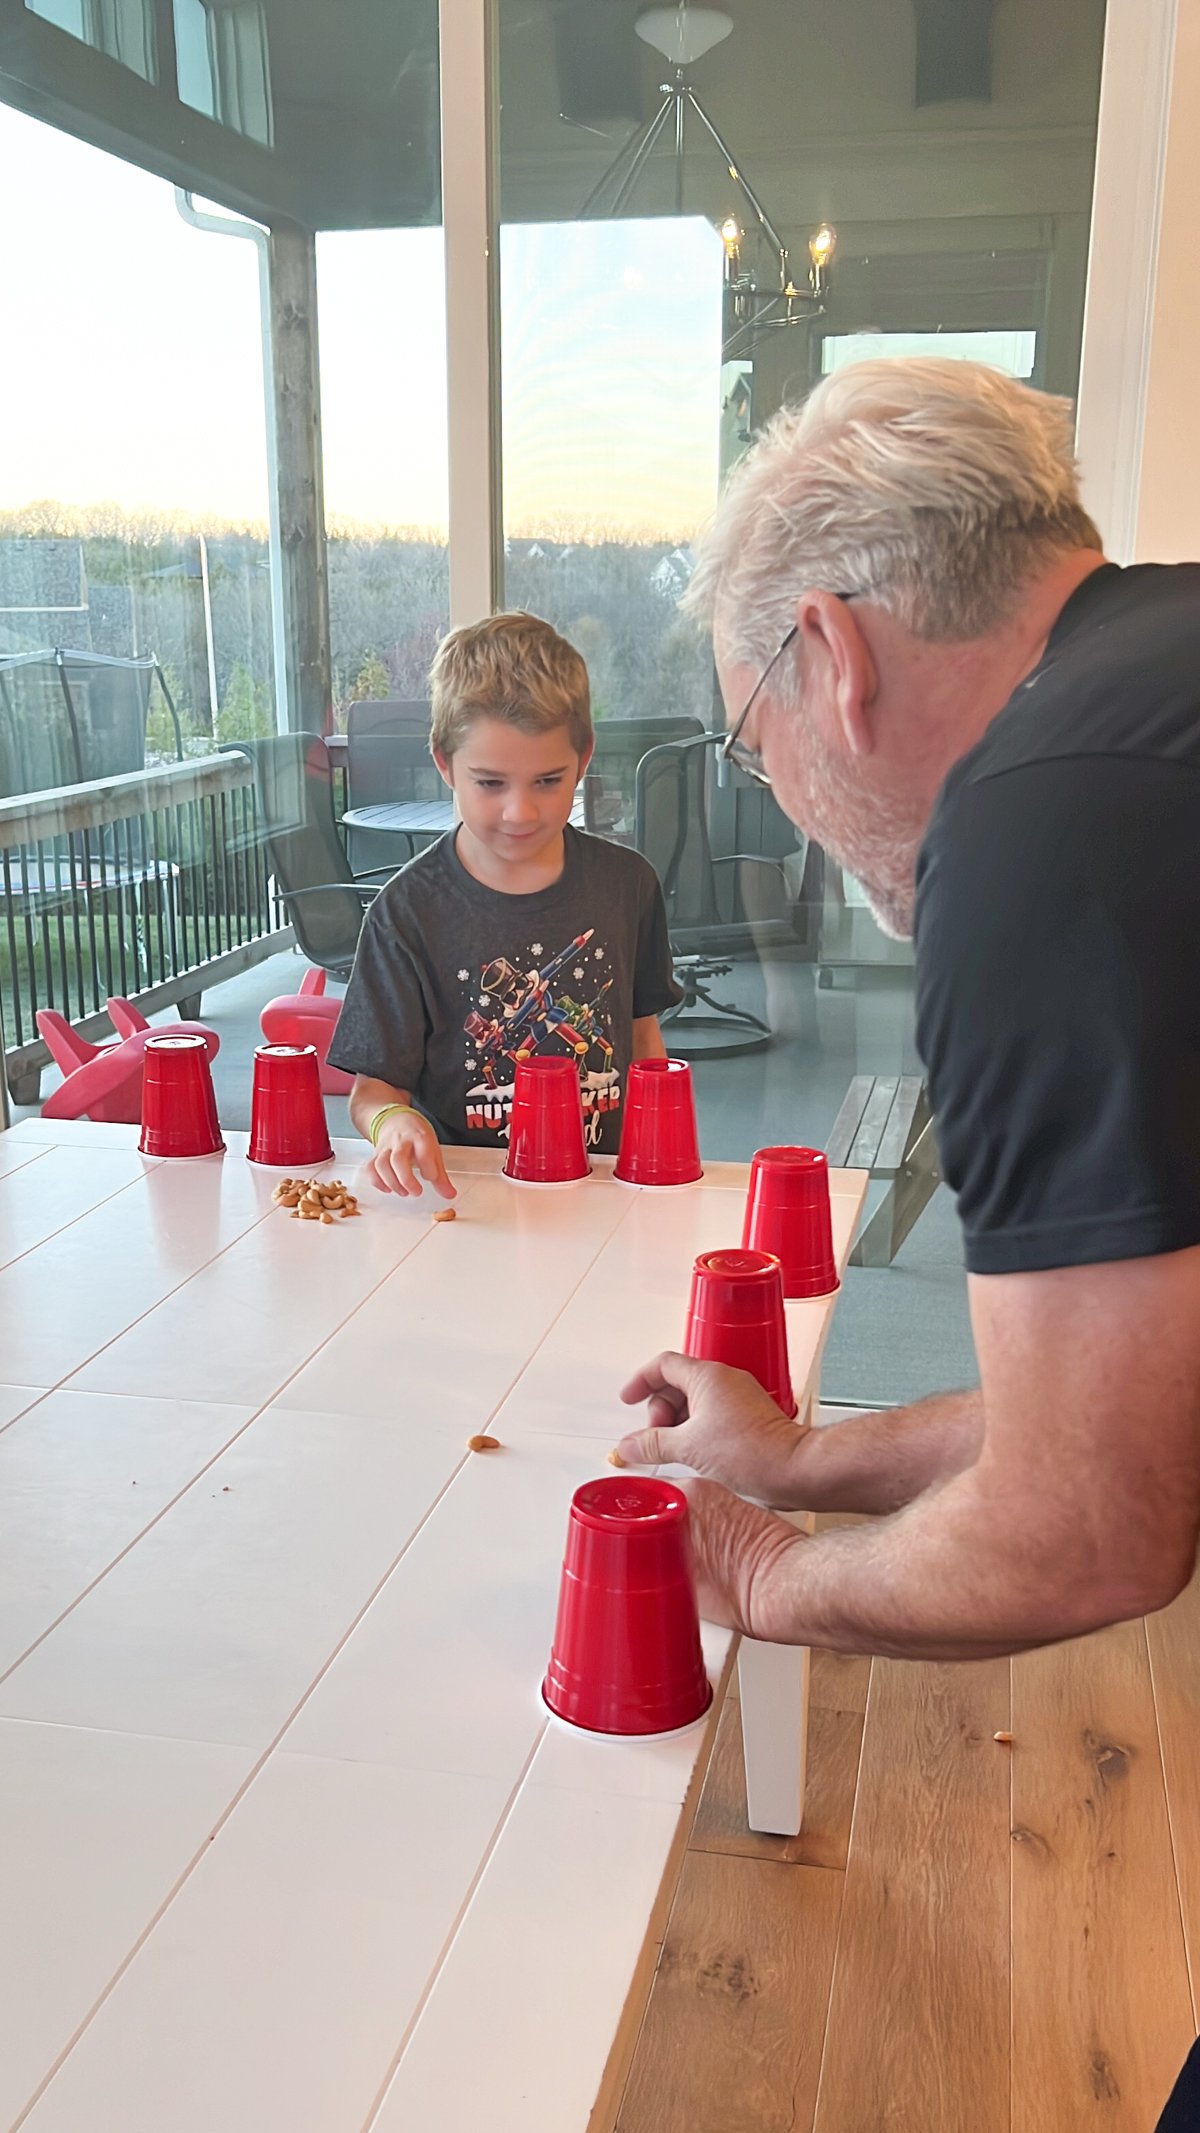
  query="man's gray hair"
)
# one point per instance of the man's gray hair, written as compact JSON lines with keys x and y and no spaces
{"x":937,"y":487}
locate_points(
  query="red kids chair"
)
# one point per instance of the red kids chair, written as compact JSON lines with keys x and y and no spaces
{"x":129,"y":1021}
{"x":307,"y":1017}
{"x":103,"y":1082}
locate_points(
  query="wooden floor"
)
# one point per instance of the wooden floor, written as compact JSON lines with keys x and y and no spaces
{"x":967,"y":1937}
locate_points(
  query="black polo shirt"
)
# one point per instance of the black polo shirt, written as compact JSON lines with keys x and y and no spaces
{"x":1058,"y":942}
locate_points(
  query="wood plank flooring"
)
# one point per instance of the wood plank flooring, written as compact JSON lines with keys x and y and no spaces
{"x":966,"y":1937}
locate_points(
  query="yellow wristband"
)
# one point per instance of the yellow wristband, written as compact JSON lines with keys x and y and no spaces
{"x":388,"y":1111}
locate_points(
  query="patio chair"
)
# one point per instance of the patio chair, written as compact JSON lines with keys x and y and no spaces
{"x":387,"y":763}
{"x":708,"y":925}
{"x":103,"y":1081}
{"x":610,"y":778}
{"x":323,"y":898}
{"x":391,"y":714}
{"x":308,"y":1017}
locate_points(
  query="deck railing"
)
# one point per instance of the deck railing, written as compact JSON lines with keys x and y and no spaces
{"x":154,"y":886}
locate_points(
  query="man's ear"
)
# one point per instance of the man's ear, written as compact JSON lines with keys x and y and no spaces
{"x":445,"y":764}
{"x":832,"y":642}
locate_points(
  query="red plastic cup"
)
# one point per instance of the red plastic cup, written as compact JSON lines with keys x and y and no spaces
{"x":735,"y":1316}
{"x":545,"y":1140}
{"x":287,"y":1116}
{"x":787,"y":1212}
{"x":179,"y":1107}
{"x":626,"y":1655}
{"x":659,"y":1145}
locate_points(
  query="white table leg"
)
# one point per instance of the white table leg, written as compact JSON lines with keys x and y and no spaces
{"x":773,"y":1684}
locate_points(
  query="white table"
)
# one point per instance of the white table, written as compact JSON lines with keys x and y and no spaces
{"x":287,"y":1844}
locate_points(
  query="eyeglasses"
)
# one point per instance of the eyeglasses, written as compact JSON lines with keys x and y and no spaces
{"x":733,"y":749}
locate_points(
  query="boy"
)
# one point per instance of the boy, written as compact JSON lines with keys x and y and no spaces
{"x":515,"y":934}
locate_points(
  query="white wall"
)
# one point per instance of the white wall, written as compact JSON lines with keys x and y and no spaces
{"x":1168,"y":517}
{"x":1139,"y":409}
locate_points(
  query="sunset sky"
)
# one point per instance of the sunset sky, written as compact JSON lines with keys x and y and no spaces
{"x":131,"y":368}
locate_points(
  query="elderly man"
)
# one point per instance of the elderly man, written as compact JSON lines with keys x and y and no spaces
{"x":998,"y":733}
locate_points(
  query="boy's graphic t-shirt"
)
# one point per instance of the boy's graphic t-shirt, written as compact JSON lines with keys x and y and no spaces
{"x":454,"y":983}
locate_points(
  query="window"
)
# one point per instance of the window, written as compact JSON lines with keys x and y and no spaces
{"x":383,"y":413}
{"x":223,"y":65}
{"x":611,"y":427}
{"x":655,"y":314}
{"x":121,"y":29}
{"x":646,"y":339}
{"x":133,"y":483}
{"x":1014,"y":353}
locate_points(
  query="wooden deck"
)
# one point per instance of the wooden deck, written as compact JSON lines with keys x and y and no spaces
{"x":967,"y":1937}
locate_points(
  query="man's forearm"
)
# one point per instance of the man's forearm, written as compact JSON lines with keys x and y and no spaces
{"x":880,"y":1462}
{"x":951,"y":1577}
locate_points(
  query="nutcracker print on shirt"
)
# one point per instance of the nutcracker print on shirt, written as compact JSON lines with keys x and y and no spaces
{"x":556,"y":1004}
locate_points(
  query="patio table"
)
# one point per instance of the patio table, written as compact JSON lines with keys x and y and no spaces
{"x":403,"y":818}
{"x":288,"y":1839}
{"x":419,"y":818}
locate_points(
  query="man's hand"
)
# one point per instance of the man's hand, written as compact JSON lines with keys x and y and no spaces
{"x":406,"y":1151}
{"x":742,"y":1557}
{"x":720,"y":1423}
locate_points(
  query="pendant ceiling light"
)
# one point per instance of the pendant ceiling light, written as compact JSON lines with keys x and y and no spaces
{"x":753,"y":306}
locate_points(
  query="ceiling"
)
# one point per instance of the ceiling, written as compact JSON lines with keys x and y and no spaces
{"x":819,"y":97}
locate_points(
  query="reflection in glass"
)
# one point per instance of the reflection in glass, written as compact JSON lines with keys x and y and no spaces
{"x":122,"y":29}
{"x":223,"y":64}
{"x":933,"y":166}
{"x":1014,"y":353}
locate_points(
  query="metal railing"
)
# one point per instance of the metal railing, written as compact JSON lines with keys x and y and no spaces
{"x":153,"y":885}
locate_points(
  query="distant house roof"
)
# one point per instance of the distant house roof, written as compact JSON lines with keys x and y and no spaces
{"x":672,"y":571}
{"x":43,"y":575}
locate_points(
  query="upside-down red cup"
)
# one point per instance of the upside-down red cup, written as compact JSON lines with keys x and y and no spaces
{"x":787,"y":1212}
{"x":179,"y":1107}
{"x":735,"y":1316}
{"x":659,"y":1144}
{"x":287,"y":1115}
{"x":626,"y":1656}
{"x":545,"y":1139}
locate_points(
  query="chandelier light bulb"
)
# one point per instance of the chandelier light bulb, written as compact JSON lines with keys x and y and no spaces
{"x":821,"y":246}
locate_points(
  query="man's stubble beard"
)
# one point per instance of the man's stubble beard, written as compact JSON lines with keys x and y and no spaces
{"x":892,"y":910}
{"x":868,"y":839}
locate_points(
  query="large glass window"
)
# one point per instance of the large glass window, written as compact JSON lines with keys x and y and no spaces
{"x":135,"y":599}
{"x":383,"y":411}
{"x":704,"y":214}
{"x":914,"y":179}
{"x":133,"y":475}
{"x":605,"y":325}
{"x":149,"y":615}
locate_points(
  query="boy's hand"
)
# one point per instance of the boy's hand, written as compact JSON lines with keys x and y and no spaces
{"x":408,"y":1150}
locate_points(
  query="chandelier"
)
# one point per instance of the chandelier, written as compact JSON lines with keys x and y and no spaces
{"x":755,"y":304}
